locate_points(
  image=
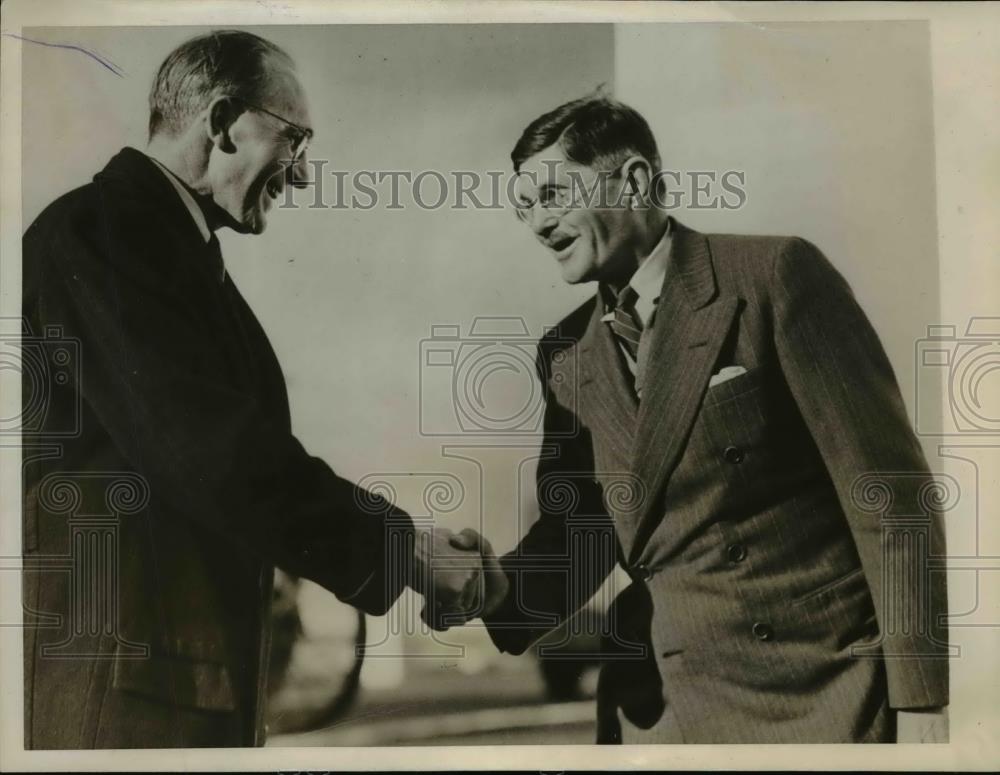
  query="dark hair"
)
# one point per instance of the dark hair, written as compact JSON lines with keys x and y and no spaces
{"x":595,"y":130}
{"x":220,"y":62}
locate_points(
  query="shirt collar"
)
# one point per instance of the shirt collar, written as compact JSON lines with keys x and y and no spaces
{"x":647,"y":281}
{"x":648,"y":278}
{"x":196,"y":212}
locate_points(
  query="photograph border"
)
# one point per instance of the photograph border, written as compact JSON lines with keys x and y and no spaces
{"x":965,"y":41}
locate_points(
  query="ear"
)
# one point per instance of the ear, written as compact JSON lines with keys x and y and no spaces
{"x":221,"y":114}
{"x":636,"y":175}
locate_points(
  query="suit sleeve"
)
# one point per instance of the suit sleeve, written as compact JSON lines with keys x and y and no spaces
{"x":158,"y":382}
{"x":847,"y":393}
{"x":565,"y":556}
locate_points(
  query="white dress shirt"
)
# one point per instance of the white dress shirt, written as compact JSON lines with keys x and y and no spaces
{"x":647,"y":282}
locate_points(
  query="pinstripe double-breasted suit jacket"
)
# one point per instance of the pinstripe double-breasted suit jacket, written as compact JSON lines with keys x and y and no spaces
{"x":777,"y":526}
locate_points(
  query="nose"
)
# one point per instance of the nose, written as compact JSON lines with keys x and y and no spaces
{"x":542,"y":221}
{"x":297,"y":173}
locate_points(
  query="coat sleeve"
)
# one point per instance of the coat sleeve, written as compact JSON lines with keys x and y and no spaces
{"x":847,"y":394}
{"x":158,"y":383}
{"x":563,"y":559}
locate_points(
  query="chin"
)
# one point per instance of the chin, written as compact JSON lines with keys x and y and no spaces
{"x":253,"y":222}
{"x":574,"y":276}
{"x":576,"y":269}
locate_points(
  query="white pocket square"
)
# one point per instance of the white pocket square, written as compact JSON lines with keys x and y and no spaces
{"x":725,"y":374}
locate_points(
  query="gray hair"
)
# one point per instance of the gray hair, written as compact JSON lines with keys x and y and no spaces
{"x":221,"y":62}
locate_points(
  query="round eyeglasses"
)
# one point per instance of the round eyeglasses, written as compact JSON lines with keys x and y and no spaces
{"x":556,"y":199}
{"x":299,"y":136}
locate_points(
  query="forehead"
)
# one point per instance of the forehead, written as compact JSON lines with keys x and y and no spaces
{"x":549,"y":166}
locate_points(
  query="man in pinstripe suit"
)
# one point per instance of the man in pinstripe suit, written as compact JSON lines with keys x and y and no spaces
{"x":736,"y":387}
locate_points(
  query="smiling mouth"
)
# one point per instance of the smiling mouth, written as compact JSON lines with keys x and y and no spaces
{"x":562,"y":247}
{"x":273,"y":187}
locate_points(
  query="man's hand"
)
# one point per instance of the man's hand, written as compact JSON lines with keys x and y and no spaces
{"x":922,"y":726}
{"x":494,"y":580}
{"x":448,"y":575}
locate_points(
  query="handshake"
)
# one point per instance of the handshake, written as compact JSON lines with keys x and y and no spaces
{"x":458,"y":575}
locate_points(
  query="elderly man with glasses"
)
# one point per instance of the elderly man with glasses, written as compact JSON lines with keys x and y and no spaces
{"x":177,"y":397}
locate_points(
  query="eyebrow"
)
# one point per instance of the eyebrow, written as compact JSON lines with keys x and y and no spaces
{"x":542,"y":190}
{"x":547,"y":188}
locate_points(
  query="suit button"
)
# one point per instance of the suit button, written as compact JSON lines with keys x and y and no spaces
{"x":733,"y":455}
{"x":736,"y":552}
{"x":642,"y":572}
{"x":762,"y":631}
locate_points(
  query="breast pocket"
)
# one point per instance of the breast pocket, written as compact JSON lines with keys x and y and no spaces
{"x":733,"y":387}
{"x":735,"y":415}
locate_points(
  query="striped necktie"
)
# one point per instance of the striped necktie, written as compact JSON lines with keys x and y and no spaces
{"x":626,"y":324}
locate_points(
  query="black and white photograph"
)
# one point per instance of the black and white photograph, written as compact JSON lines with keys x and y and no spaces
{"x":380,"y":389}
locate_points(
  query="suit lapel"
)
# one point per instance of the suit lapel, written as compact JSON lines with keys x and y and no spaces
{"x":605,"y":387}
{"x":690,"y":328}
